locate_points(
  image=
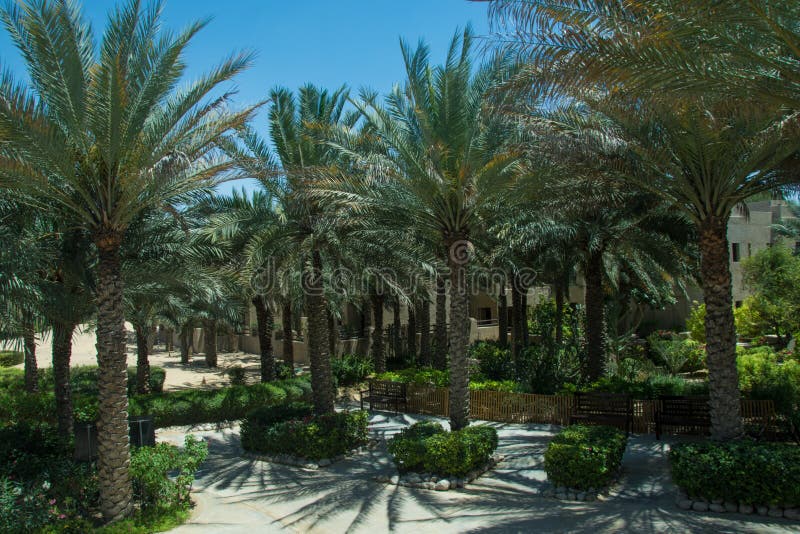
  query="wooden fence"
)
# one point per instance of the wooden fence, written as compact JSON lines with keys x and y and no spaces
{"x":554,"y":409}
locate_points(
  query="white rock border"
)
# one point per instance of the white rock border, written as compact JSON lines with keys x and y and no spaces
{"x":430,"y":481}
{"x":564,"y":493}
{"x":720,"y":506}
{"x":305,"y":463}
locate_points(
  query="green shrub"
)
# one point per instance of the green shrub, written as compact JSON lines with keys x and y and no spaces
{"x":676,"y":354}
{"x":696,"y":322}
{"x":740,"y":471}
{"x":408,"y":446}
{"x":151,"y":468}
{"x":423,"y":376}
{"x":428,"y":447}
{"x":762,"y":375}
{"x":189,"y":407}
{"x":584,"y":457}
{"x":351,"y":369}
{"x":10,"y":358}
{"x":259,"y":420}
{"x":323,"y":436}
{"x":237,"y":375}
{"x":40,"y":486}
{"x":494,"y":362}
{"x":650,"y":388}
{"x":508,"y":386}
{"x":457,"y":453}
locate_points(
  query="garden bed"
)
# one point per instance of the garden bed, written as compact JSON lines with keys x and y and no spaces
{"x":583,"y":461}
{"x":741,"y":476}
{"x":429,"y":457}
{"x":290,"y":434}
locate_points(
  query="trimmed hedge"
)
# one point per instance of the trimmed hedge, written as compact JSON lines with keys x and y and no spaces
{"x":428,"y":447}
{"x":323,"y":436}
{"x":583,"y":457}
{"x":10,"y":358}
{"x":745,"y":472}
{"x":265,"y":416}
{"x":190,"y":407}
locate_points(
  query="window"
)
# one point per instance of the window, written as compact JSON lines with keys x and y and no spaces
{"x":749,"y":250}
{"x":735,"y":252}
{"x":484,"y":314}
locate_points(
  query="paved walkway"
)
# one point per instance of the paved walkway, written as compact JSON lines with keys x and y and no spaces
{"x":242,"y":495}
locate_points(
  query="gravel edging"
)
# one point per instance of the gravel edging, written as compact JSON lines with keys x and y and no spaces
{"x":305,"y":463}
{"x":720,"y":506}
{"x":430,"y":481}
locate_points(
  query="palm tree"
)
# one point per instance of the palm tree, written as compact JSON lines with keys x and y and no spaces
{"x":705,"y":158}
{"x":738,"y":48}
{"x":437,"y":168}
{"x":101,"y":138}
{"x":307,"y":233}
{"x":234,"y":222}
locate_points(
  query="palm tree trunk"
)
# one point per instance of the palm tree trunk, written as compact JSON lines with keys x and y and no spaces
{"x":333,"y":334}
{"x":559,"y":315}
{"x":185,"y":343}
{"x":29,"y":343}
{"x":169,"y":339}
{"x":264,"y":324}
{"x":142,"y":360}
{"x":412,"y":333}
{"x":62,"y":354}
{"x":459,"y":339}
{"x":425,"y":333}
{"x":502,"y":317}
{"x":595,"y":315}
{"x":378,"y":352}
{"x":321,"y":375}
{"x":723,"y":377}
{"x":516,"y":324}
{"x":288,"y":335}
{"x":440,"y":333}
{"x":113,"y":447}
{"x":397,"y":338}
{"x":210,"y":342}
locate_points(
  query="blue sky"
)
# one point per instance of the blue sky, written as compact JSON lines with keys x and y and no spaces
{"x":326,"y":42}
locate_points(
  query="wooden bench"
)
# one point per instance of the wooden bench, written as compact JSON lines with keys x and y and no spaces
{"x":613,"y":409}
{"x":385,"y":394}
{"x":682,"y":411}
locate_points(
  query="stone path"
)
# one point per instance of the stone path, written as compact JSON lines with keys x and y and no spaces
{"x":243,"y":495}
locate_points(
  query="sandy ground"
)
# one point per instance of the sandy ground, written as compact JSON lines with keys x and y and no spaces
{"x":179,"y":376}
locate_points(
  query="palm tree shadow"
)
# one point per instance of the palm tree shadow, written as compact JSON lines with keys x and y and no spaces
{"x":507,"y":499}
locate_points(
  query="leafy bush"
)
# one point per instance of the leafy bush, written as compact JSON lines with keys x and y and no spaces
{"x":258,"y":420}
{"x":508,"y":386}
{"x":10,"y":358}
{"x":762,"y":375}
{"x":428,"y":447}
{"x":677,"y":354}
{"x":188,"y":407}
{"x":237,"y":375}
{"x":151,"y":468}
{"x":584,"y":457}
{"x":408,"y":446}
{"x":413,"y":375}
{"x":494,"y":362}
{"x":651,"y":387}
{"x":323,"y":436}
{"x":544,"y":370}
{"x":696,"y":322}
{"x":283,"y":371}
{"x":740,"y":471}
{"x":40,"y":485}
{"x":351,"y":369}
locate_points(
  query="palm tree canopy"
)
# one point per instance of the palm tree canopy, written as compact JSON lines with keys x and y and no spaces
{"x":104,"y":132}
